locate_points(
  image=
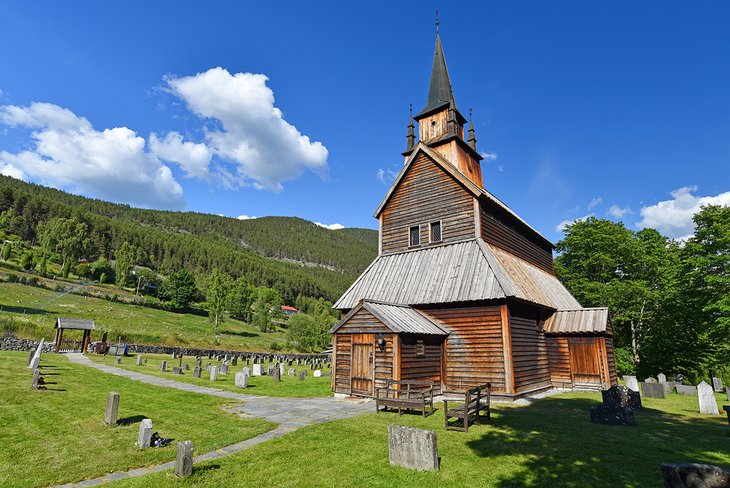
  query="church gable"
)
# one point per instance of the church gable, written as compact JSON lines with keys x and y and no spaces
{"x":427,"y":198}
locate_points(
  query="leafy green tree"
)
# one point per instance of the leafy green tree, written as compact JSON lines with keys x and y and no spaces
{"x":219,"y":289}
{"x":126,"y":257}
{"x":26,"y":260}
{"x":102,"y":278}
{"x":68,"y":237}
{"x":180,"y":289}
{"x":43,"y":265}
{"x":267,"y":307}
{"x":7,"y":250}
{"x":99,"y":267}
{"x":66,"y":269}
{"x":241,"y":299}
{"x":308,"y":333}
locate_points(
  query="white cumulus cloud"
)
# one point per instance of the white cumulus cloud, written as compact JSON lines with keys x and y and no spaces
{"x":386,"y":175}
{"x":330,"y":226}
{"x":618,"y":212}
{"x":65,"y":151}
{"x":674,"y":217}
{"x":594,"y":203}
{"x":193,"y":158}
{"x":562,"y":225}
{"x":246,"y":217}
{"x":249,"y":131}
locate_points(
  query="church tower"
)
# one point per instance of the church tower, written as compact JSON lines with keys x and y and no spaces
{"x":441,"y":124}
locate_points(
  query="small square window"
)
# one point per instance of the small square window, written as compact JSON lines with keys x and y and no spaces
{"x":414,"y":236}
{"x":420,"y":348}
{"x":436,"y":231}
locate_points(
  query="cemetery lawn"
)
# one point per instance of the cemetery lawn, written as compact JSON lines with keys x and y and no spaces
{"x":58,"y":435}
{"x":34,"y":311}
{"x":289,"y":386}
{"x":550,"y":443}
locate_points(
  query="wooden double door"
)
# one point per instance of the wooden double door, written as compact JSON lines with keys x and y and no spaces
{"x":586,"y":360}
{"x":363,"y":364}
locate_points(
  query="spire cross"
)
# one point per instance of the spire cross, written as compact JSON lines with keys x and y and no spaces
{"x":437,"y":21}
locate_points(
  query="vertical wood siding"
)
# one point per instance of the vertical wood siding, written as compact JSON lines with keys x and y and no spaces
{"x":384,"y":362}
{"x":343,"y":355}
{"x":421,"y":367}
{"x":529,"y":352}
{"x":474,"y":350}
{"x":426,"y":194}
{"x":611,"y":357}
{"x":504,"y":231}
{"x":559,"y":361}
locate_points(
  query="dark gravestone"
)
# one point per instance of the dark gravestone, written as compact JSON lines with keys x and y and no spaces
{"x":612,"y":415}
{"x":277,"y":374}
{"x":234,"y":361}
{"x":197,"y":372}
{"x":186,"y":367}
{"x":695,"y":476}
{"x":302,"y":374}
{"x":176,"y":370}
{"x":652,"y":390}
{"x":621,"y":396}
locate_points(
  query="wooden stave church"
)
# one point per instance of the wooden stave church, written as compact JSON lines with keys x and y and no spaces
{"x":463,"y":291}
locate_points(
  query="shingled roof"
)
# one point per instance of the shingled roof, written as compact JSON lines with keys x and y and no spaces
{"x":398,"y":318}
{"x":580,"y":321}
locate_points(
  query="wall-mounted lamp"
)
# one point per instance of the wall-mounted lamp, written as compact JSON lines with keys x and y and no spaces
{"x":381,"y":342}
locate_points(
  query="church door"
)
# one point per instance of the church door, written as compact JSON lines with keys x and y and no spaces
{"x":362,"y":364}
{"x":584,"y":360}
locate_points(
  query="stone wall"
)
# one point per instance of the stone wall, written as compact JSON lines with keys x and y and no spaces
{"x":24,"y":345}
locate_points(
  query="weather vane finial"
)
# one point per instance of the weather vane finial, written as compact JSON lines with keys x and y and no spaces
{"x":470,"y":115}
{"x":437,"y":21}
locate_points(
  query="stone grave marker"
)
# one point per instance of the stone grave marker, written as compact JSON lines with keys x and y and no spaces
{"x":631,"y":383}
{"x":176,"y":370}
{"x":35,"y":362}
{"x":112,"y":409}
{"x":668,"y":387}
{"x":716,"y":384}
{"x":270,"y":370}
{"x":652,"y":390}
{"x":31,"y":353}
{"x":224,"y":368}
{"x":234,"y":361}
{"x":686,"y":390}
{"x":694,"y":475}
{"x":302,"y":374}
{"x":36,"y":359}
{"x":650,"y":380}
{"x":241,"y":380}
{"x":727,"y":392}
{"x":37,"y":381}
{"x":622,"y":396}
{"x":256,"y":369}
{"x":292,"y":372}
{"x":413,"y":448}
{"x":213,"y":373}
{"x":139,"y":360}
{"x":708,"y":404}
{"x":661,"y":378}
{"x":163,"y":366}
{"x":174,"y":355}
{"x":277,"y":374}
{"x":144,"y":436}
{"x":197,"y":372}
{"x":118,"y":360}
{"x":246,"y":370}
{"x":317,"y":373}
{"x":186,"y":367}
{"x":281,"y":370}
{"x":184,"y":459}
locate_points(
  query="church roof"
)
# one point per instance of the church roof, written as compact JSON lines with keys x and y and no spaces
{"x":81,"y":324}
{"x":581,"y":321}
{"x":440,"y":93}
{"x":398,"y":318}
{"x":470,"y":270}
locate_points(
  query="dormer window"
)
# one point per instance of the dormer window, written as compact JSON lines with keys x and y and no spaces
{"x":435,"y":231}
{"x":414,"y":236}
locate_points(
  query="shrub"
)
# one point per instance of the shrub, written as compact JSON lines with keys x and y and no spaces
{"x":13,"y":278}
{"x":624,"y":362}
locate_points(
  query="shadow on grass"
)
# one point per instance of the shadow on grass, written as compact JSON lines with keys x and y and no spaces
{"x":131,"y":420}
{"x":23,"y":310}
{"x":239,"y":334}
{"x":559,"y":445}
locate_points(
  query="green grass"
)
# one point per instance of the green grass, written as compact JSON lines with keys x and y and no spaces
{"x":58,"y":435}
{"x":550,"y":443}
{"x":257,"y":385}
{"x":34,"y":311}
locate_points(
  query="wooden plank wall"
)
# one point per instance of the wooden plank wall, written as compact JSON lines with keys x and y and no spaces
{"x":343,"y":355}
{"x":559,"y":361}
{"x":529,"y":351}
{"x":427,"y":194}
{"x":611,"y":357}
{"x":424,"y":367}
{"x":506,"y":232}
{"x":384,"y":362}
{"x":474,"y":350}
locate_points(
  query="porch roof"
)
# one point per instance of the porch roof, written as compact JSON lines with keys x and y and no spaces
{"x":80,"y":324}
{"x":398,"y":318}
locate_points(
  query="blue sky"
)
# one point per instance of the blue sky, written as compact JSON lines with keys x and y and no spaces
{"x":614,"y":109}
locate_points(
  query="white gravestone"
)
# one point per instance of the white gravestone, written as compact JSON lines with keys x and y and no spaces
{"x":144,"y":436}
{"x":413,"y":448}
{"x":632,"y":383}
{"x":661,"y":377}
{"x":37,"y":356}
{"x":257,"y":369}
{"x":317,"y":373}
{"x":708,"y":404}
{"x":241,"y":380}
{"x":213,"y":373}
{"x":246,"y":370}
{"x":281,"y":369}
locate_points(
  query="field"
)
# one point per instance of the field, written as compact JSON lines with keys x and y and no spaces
{"x":550,"y":443}
{"x":34,"y":310}
{"x":257,"y":385}
{"x":58,"y":435}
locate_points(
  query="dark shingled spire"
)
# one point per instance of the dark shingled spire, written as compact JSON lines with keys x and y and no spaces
{"x":440,"y":93}
{"x":472,"y":137}
{"x":411,"y":133}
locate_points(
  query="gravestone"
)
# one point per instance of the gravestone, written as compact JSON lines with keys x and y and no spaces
{"x":317,"y":373}
{"x":717,"y":384}
{"x":213,"y":373}
{"x":270,"y":370}
{"x":413,"y":448}
{"x":277,"y":374}
{"x":612,"y":415}
{"x":695,"y":476}
{"x":139,"y":360}
{"x":186,"y":367}
{"x":302,"y":374}
{"x":661,"y":378}
{"x":184,"y":459}
{"x":708,"y":404}
{"x":35,"y":363}
{"x":36,"y":360}
{"x":31,"y":353}
{"x":650,"y":380}
{"x":281,"y":370}
{"x":668,"y":387}
{"x":37,"y":381}
{"x":174,"y":355}
{"x":292,"y":372}
{"x":118,"y":360}
{"x":197,"y":372}
{"x":256,"y":369}
{"x":112,"y":408}
{"x":621,"y":396}
{"x":176,"y":370}
{"x":144,"y":436}
{"x":652,"y":390}
{"x":234,"y":361}
{"x":727,"y":392}
{"x":163,"y":366}
{"x":224,"y":368}
{"x":686,"y":390}
{"x":631,"y":383}
{"x":241,"y":380}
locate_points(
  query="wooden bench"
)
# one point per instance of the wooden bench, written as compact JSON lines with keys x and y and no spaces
{"x":405,"y":394}
{"x":473,"y":402}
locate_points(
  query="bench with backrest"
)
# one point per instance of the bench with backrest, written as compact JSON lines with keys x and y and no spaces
{"x":405,"y":394}
{"x":472,"y":403}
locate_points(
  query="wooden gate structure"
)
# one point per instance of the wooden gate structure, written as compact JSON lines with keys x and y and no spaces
{"x":73,"y":324}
